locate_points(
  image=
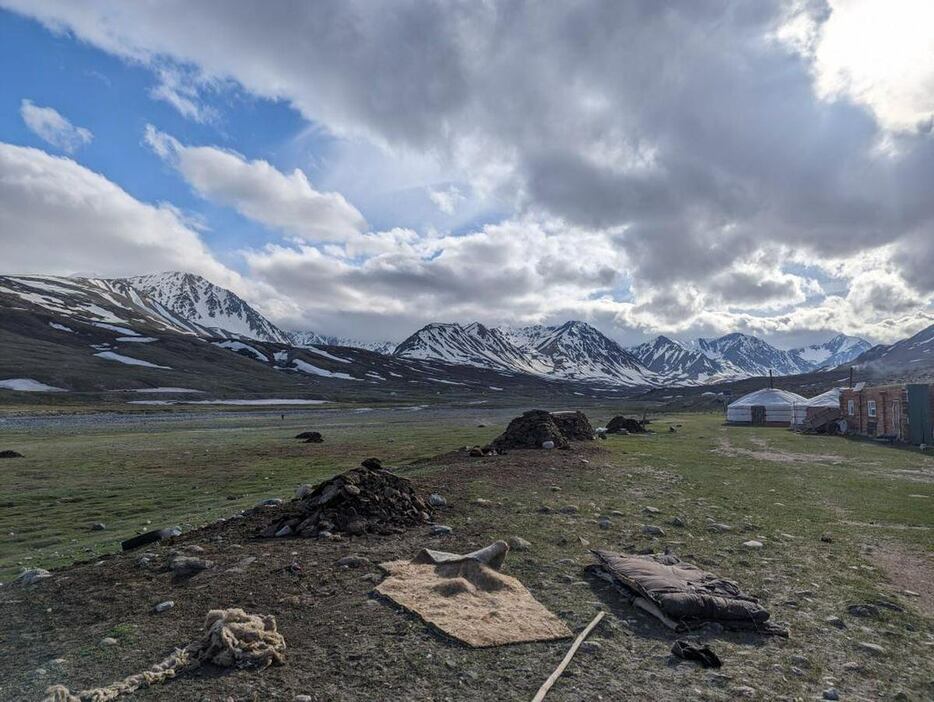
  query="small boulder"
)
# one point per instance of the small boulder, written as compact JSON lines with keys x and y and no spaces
{"x":517,"y":543}
{"x":604,"y":523}
{"x":651,"y":530}
{"x":186,"y":566}
{"x":10,"y":454}
{"x":436,"y":500}
{"x":163,"y":606}
{"x":548,"y":444}
{"x":98,"y":526}
{"x":372,"y":463}
{"x":831,"y":693}
{"x":353,"y":562}
{"x":441,"y":530}
{"x":866,"y":611}
{"x":109,"y":641}
{"x":826,"y":537}
{"x":475,"y":452}
{"x":677,"y":522}
{"x":874,"y":649}
{"x":270,"y":502}
{"x":303,"y":490}
{"x":753,"y":544}
{"x":310,"y":437}
{"x":30,"y":576}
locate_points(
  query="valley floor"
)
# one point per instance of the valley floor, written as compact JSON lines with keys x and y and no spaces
{"x":782,"y":489}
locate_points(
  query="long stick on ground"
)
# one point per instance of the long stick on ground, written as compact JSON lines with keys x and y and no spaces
{"x":543,"y":690}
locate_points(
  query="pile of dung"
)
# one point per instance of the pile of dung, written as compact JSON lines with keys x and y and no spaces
{"x":574,"y":425}
{"x":633,"y":426}
{"x":530,"y":430}
{"x":364,"y":500}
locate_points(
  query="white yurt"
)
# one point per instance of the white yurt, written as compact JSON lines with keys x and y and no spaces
{"x":816,"y":404}
{"x":768,"y":406}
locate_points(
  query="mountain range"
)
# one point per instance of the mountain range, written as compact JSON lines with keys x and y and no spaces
{"x":188,"y":304}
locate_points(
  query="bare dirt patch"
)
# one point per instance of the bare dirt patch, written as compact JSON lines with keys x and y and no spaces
{"x":725,"y":448}
{"x":908,"y":570}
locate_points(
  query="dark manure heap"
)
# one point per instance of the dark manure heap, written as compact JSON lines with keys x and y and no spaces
{"x":530,"y":431}
{"x":368,"y":499}
{"x":574,"y":425}
{"x":618,"y":423}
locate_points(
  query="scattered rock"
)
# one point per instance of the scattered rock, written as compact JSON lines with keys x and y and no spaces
{"x":548,"y":444}
{"x":719,"y":527}
{"x":677,"y":522}
{"x":313,"y":437}
{"x":517,"y":543}
{"x":30,"y":576}
{"x":372,"y":463}
{"x":303,"y":491}
{"x":163,"y":606}
{"x":475,"y":452}
{"x":590,"y":646}
{"x":831,"y":693}
{"x":301,"y":698}
{"x":284,"y":531}
{"x":650,"y":510}
{"x":186,"y":566}
{"x":441,"y":530}
{"x":801,"y":661}
{"x":569,"y":509}
{"x":271,"y":502}
{"x":353,"y":562}
{"x":744,"y":691}
{"x":752,"y":544}
{"x":651,"y":530}
{"x":872,"y":648}
{"x":835,"y":621}
{"x":604,"y":523}
{"x":853,"y":667}
{"x":826,"y":537}
{"x":867,"y":611}
{"x":10,"y":454}
{"x":436,"y":500}
{"x":109,"y":641}
{"x":98,"y":526}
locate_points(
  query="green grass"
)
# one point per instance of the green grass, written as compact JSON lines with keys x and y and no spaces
{"x":185,"y":474}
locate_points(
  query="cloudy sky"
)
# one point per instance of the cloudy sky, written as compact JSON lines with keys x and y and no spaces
{"x":361,"y":168}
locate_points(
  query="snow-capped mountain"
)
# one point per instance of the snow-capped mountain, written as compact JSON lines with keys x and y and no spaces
{"x":914,"y":355}
{"x":750,"y":355}
{"x":471,"y":345}
{"x":834,"y":352}
{"x":577,"y":351}
{"x":210,"y":306}
{"x":310,"y":338}
{"x":572,"y":351}
{"x":679,"y":365}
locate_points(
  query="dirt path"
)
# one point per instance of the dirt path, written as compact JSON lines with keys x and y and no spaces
{"x":764,"y":453}
{"x":909,"y":571}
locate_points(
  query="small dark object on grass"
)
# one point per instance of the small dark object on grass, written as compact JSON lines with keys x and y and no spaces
{"x":148,"y":538}
{"x":10,"y":454}
{"x":692,"y":652}
{"x":372,"y":463}
{"x":310,"y":437}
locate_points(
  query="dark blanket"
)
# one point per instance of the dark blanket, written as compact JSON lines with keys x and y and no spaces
{"x":684,"y":593}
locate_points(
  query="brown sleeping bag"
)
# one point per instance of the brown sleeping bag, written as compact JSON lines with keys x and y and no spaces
{"x":685,"y":594}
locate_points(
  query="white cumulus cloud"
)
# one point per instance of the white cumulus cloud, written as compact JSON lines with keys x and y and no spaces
{"x":50,"y":126}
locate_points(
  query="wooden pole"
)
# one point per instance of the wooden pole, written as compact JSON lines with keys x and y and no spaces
{"x":771,"y":383}
{"x":552,"y":679}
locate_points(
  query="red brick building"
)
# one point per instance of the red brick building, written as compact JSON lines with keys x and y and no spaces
{"x":898,"y":412}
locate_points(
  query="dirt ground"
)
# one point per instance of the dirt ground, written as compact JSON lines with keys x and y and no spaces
{"x":345,"y":643}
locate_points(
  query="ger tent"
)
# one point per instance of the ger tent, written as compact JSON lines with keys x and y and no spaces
{"x":818,"y":411}
{"x":817,"y":405}
{"x":768,"y":406}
